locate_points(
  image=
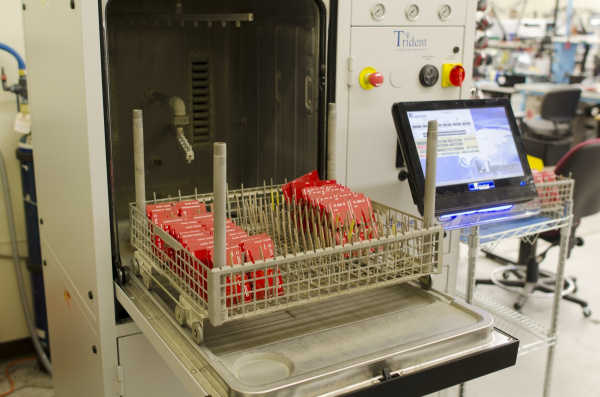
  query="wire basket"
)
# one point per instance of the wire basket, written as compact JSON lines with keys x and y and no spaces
{"x":554,"y":194}
{"x":555,"y":197}
{"x":306,"y":266}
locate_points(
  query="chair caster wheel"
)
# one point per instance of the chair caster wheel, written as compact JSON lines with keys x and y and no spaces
{"x":505,"y":275}
{"x":518,"y":306}
{"x":587,"y":312}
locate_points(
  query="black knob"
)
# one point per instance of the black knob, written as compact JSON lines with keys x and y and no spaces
{"x":402,"y":175}
{"x":429,"y":75}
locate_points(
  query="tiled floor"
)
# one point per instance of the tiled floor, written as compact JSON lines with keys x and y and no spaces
{"x":577,"y":361}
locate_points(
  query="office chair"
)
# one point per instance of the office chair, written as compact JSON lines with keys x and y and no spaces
{"x":549,"y":138}
{"x":558,"y":109}
{"x":583,"y":165}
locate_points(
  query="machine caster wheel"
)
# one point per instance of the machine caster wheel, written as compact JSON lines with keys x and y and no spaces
{"x":426,"y":282}
{"x":135,"y":266}
{"x":197,"y":332}
{"x":147,"y":280}
{"x":179,"y":315}
{"x":587,"y":312}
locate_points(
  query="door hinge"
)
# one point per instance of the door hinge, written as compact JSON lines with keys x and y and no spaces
{"x":120,"y":383}
{"x":350,"y":81}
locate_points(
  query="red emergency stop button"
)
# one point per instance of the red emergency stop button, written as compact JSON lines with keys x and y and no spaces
{"x":453,"y":75}
{"x":375,"y":79}
{"x":457,"y":75}
{"x":370,"y":78}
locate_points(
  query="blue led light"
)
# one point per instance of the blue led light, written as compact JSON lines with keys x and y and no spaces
{"x":481,"y":211}
{"x":478,"y":222}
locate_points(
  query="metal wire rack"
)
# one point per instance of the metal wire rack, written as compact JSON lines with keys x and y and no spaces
{"x":309,"y":263}
{"x":556,"y":198}
{"x":553,"y":197}
{"x":531,"y":334}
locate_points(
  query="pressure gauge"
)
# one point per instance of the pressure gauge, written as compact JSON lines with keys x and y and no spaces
{"x":444,"y":12}
{"x":378,"y":11}
{"x":412,"y":11}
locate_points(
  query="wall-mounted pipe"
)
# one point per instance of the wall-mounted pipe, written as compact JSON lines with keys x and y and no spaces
{"x":20,"y":89}
{"x":14,"y":53}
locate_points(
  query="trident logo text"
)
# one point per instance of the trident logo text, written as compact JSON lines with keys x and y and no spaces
{"x":405,"y":39}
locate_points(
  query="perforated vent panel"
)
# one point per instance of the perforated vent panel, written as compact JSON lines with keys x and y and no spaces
{"x":201,"y":119}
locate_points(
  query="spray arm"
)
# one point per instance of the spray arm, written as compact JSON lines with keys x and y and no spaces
{"x":179,"y":121}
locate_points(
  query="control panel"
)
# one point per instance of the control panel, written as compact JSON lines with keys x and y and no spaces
{"x":393,"y":64}
{"x":398,"y":51}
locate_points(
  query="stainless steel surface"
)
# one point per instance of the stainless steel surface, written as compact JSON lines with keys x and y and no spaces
{"x":250,"y":73}
{"x":326,"y":347}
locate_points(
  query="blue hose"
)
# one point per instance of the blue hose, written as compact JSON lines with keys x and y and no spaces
{"x":20,"y":60}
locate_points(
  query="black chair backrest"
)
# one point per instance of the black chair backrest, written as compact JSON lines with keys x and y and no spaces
{"x":560,"y":105}
{"x":583,"y":163}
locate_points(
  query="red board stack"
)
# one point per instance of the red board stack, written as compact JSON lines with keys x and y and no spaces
{"x":351,"y":213}
{"x":193,"y":227}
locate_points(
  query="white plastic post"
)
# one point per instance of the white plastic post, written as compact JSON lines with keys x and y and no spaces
{"x":430,"y":173}
{"x":138,"y":158}
{"x":220,"y":200}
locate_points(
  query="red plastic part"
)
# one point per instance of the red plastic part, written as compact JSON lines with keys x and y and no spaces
{"x":457,"y":75}
{"x":375,"y":79}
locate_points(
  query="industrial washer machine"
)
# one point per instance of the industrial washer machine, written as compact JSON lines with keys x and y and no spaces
{"x":290,"y":86}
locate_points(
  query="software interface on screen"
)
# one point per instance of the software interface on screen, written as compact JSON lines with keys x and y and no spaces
{"x":474,"y":145}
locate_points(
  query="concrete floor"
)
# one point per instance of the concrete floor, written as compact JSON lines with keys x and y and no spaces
{"x":577,"y":361}
{"x":29,"y":380}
